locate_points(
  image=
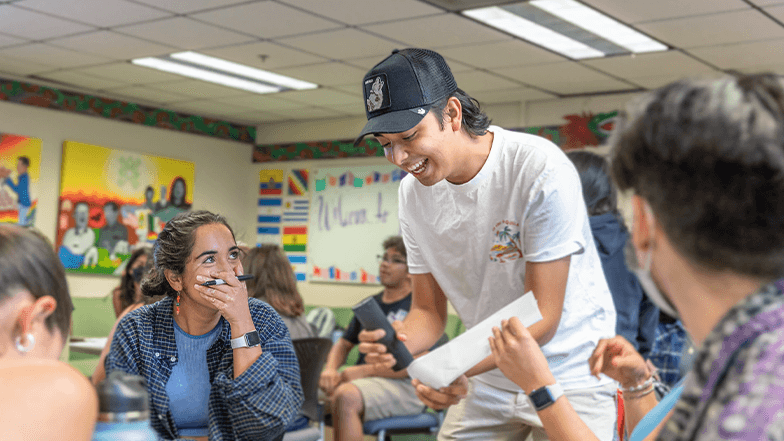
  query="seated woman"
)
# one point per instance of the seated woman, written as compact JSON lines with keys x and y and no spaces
{"x":129,"y":292}
{"x":217,"y":363}
{"x":705,"y":160}
{"x":274,"y":282}
{"x":40,"y":397}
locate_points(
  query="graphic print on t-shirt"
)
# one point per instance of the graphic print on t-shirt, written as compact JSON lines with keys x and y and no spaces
{"x":506,"y":242}
{"x":400,"y":314}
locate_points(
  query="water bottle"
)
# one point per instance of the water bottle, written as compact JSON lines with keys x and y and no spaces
{"x":124,"y":409}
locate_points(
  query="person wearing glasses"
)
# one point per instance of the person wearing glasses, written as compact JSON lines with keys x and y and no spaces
{"x":362,"y":392}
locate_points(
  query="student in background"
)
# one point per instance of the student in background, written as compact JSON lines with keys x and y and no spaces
{"x":274,"y":282}
{"x":40,"y":397}
{"x":705,"y":160}
{"x":217,"y":363}
{"x":637,"y":316}
{"x":363,"y":392}
{"x":130,"y":290}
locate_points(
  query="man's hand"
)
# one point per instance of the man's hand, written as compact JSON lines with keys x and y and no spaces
{"x":376,"y":353}
{"x":519,"y":357}
{"x":444,"y":397}
{"x":329,"y":381}
{"x":617,"y":358}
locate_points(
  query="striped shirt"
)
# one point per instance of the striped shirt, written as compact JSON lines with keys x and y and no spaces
{"x":734,"y":391}
{"x":255,"y":406}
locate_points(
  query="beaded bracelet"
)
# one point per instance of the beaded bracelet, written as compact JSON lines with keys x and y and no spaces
{"x":639,"y":387}
{"x":639,"y":394}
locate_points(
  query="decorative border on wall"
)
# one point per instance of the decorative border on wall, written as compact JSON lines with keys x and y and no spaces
{"x":51,"y":98}
{"x":580,"y":131}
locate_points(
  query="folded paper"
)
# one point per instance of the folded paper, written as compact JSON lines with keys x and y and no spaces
{"x":441,"y":367}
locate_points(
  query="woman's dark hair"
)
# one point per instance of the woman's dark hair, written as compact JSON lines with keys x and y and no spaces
{"x":598,"y":190}
{"x":28,"y":261}
{"x":181,"y":203}
{"x":274,"y":280}
{"x":127,"y":282}
{"x":174,"y":246}
{"x":397,"y":243}
{"x":475,"y":122}
{"x":708,"y":156}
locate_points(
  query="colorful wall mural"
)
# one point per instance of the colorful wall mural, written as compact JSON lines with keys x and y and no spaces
{"x":580,"y":131}
{"x":20,"y":165}
{"x":51,"y":98}
{"x":113,"y":201}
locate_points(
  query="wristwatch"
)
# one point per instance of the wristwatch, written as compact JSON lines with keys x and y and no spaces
{"x":248,"y":340}
{"x":545,"y":396}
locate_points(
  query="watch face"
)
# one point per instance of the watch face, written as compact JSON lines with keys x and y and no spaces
{"x":540,"y":398}
{"x":252,"y":338}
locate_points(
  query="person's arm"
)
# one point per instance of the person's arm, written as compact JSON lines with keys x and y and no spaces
{"x":330,"y":377}
{"x":45,"y":400}
{"x":268,"y":394}
{"x":100,"y":370}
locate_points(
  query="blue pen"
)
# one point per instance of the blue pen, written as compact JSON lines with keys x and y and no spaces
{"x":217,"y":282}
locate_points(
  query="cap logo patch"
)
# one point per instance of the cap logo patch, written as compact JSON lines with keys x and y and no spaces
{"x":376,"y":93}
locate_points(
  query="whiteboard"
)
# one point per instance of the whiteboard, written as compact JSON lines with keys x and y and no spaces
{"x":352,"y":211}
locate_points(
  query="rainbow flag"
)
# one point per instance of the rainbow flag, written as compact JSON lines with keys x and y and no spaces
{"x":298,"y":182}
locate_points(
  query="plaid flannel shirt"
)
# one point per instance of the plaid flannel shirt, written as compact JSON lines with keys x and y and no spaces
{"x":255,"y":406}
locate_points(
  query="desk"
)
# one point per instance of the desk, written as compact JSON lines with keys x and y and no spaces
{"x":87,"y":345}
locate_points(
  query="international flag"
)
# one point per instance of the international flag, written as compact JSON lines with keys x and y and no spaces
{"x":299,"y":266}
{"x":270,"y":188}
{"x":295,"y":239}
{"x":270,"y":202}
{"x":271,"y":175}
{"x":385,"y":177}
{"x":298,"y":182}
{"x":333,"y":181}
{"x":295,"y":210}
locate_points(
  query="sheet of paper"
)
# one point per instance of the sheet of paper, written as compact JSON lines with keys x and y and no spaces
{"x":442,"y":366}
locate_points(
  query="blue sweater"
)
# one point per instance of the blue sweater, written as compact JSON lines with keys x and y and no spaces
{"x":22,"y":189}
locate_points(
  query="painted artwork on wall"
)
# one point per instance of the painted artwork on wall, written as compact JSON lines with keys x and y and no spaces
{"x":113,"y":201}
{"x":20,"y":165}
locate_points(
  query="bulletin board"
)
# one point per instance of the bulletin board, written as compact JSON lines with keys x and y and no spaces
{"x":352,"y":211}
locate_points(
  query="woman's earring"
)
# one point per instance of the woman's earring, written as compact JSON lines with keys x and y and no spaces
{"x":177,"y":305}
{"x":30,"y":343}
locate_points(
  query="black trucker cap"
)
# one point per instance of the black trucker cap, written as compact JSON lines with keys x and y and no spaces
{"x":399,"y":90}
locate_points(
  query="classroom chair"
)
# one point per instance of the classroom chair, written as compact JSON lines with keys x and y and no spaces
{"x":312,"y":354}
{"x":428,"y":422}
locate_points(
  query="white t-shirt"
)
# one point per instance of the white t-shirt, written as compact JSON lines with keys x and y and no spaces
{"x":525,"y":204}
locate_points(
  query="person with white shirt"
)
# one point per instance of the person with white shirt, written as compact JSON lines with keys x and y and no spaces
{"x":487,"y":215}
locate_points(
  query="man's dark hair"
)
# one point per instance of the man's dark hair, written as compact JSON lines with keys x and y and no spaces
{"x":397,"y":243}
{"x":708,"y":156}
{"x":475,"y":121}
{"x":112,"y":204}
{"x":25,"y":160}
{"x":598,"y":190}
{"x":174,"y":246}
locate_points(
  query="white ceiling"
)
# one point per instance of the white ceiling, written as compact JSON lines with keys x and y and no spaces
{"x":85,"y":46}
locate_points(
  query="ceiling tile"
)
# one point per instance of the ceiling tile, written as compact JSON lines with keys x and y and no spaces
{"x":766,"y":2}
{"x":274,"y":55}
{"x":508,"y":95}
{"x":716,"y":29}
{"x":308,"y":113}
{"x":564,"y":78}
{"x":80,"y":80}
{"x":266,"y":20}
{"x":367,"y":63}
{"x":256,"y":117}
{"x":110,"y":12}
{"x":62,"y":58}
{"x":208,"y":108}
{"x":267,"y":102}
{"x":485,"y":56}
{"x":650,"y":65}
{"x":654,"y":82}
{"x":776,"y":11}
{"x":22,"y":67}
{"x":148,"y":94}
{"x":186,"y":6}
{"x":32,"y":25}
{"x":347,"y":109}
{"x":342,"y":44}
{"x":636,"y":11}
{"x":190,"y":34}
{"x":113,"y":45}
{"x":7,"y":40}
{"x":197,"y":89}
{"x":320,"y":97}
{"x":326,"y":74}
{"x":474,"y":81}
{"x":130,"y":73}
{"x":356,"y":12}
{"x":438,"y":31}
{"x":752,"y":56}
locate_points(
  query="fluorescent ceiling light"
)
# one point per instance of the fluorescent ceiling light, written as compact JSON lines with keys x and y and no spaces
{"x":533,"y":32}
{"x":599,"y":24}
{"x":205,"y":75}
{"x":244,"y":71}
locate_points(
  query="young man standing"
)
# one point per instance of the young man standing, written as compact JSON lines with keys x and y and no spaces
{"x":488,"y":215}
{"x":363,"y":392}
{"x":22,"y":189}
